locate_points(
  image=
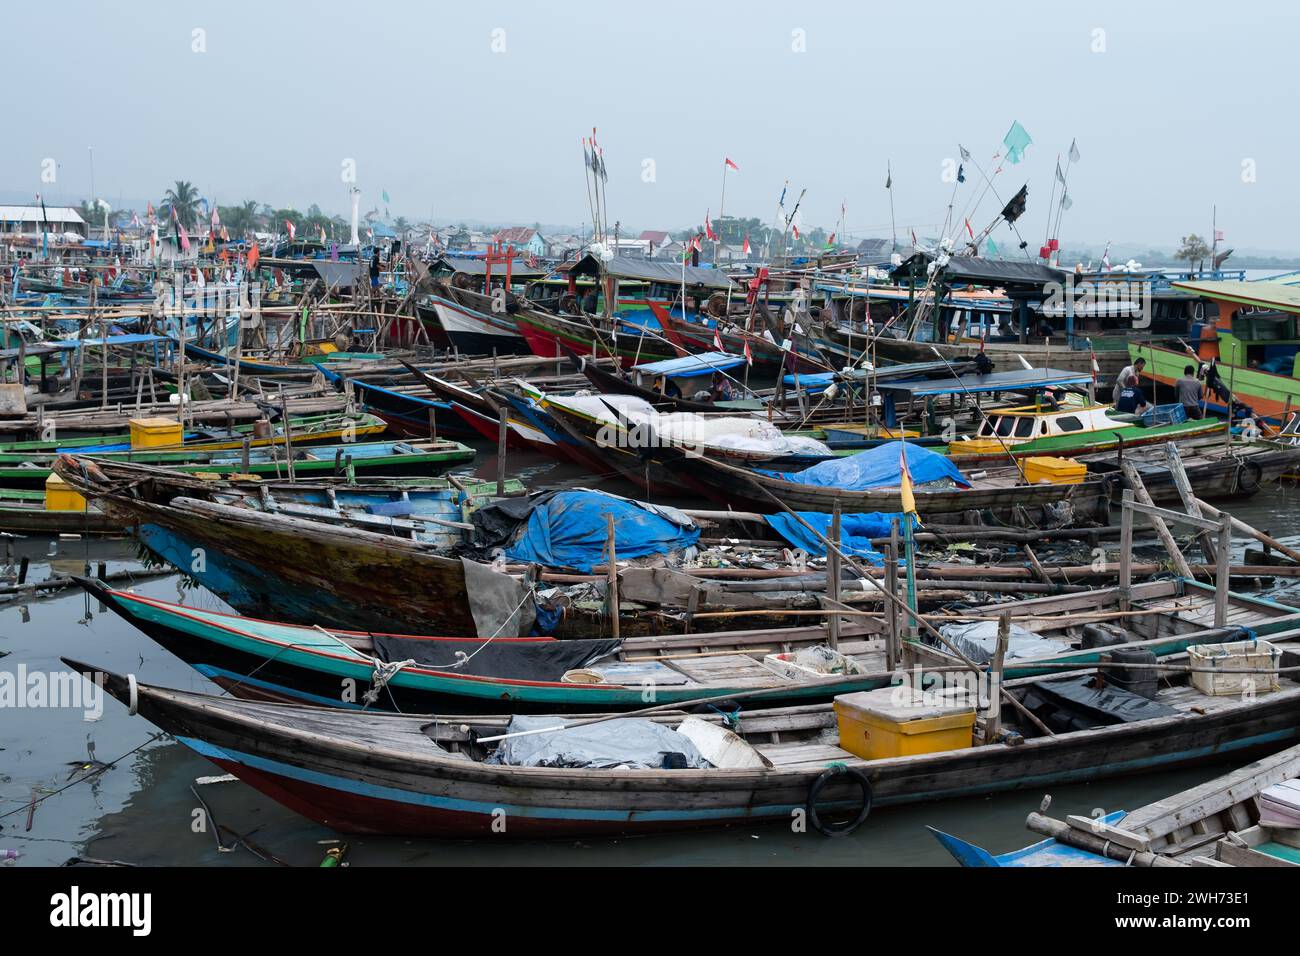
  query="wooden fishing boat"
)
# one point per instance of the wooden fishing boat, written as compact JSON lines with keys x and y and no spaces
{"x":426,"y":776}
{"x":553,"y":336}
{"x":384,"y":458}
{"x":471,"y":324}
{"x":999,"y":492}
{"x":279,"y":566}
{"x":409,"y":414}
{"x":303,"y":430}
{"x":1215,"y":468}
{"x":248,"y":364}
{"x":1068,"y":432}
{"x":1216,"y":823}
{"x":24,"y":511}
{"x":265,"y":660}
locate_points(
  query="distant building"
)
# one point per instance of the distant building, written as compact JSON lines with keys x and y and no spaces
{"x":521,"y":237}
{"x":29,"y":221}
{"x":657,"y":239}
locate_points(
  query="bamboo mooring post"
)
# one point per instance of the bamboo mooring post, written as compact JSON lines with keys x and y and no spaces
{"x":833,"y":578}
{"x":613,"y":578}
{"x":893,"y":649}
{"x":993,"y":721}
{"x":1158,"y":523}
{"x":502,"y":430}
{"x":1222,"y":569}
{"x":288,"y":433}
{"x":1184,"y":486}
{"x":1126,"y":550}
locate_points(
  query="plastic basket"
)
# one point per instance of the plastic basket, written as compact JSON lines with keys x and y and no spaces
{"x":1206,"y":659}
{"x":1164,"y":415}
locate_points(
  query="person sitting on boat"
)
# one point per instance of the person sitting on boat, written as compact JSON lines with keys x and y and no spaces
{"x":721,"y":389}
{"x":1188,"y":391}
{"x":666,"y":386}
{"x":1128,"y":372}
{"x":1131,"y":400}
{"x":374,"y":270}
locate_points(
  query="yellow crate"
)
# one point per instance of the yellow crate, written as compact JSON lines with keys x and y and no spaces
{"x":1057,"y":471}
{"x":155,"y":432}
{"x":900,"y":721}
{"x":59,"y":495}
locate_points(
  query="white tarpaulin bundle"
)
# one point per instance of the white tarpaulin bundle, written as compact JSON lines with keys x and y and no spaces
{"x":688,"y":428}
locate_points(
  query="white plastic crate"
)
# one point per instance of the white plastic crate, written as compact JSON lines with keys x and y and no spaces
{"x":1207,"y":659}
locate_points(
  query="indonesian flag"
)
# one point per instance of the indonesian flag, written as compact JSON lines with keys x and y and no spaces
{"x":696,"y":244}
{"x":253,"y":256}
{"x":708,"y":228}
{"x":288,"y":225}
{"x":749,"y":356}
{"x":1096,"y":369}
{"x":728,"y":162}
{"x":796,"y":231}
{"x":717,"y":340}
{"x":969,"y":230}
{"x":745,"y":248}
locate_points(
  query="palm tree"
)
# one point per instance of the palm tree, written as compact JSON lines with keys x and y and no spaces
{"x":184,"y":200}
{"x":241,"y":219}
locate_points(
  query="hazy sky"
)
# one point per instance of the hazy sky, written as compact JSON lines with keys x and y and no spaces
{"x":1166,"y":106}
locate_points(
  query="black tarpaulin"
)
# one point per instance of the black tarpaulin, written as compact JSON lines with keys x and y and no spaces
{"x":532,"y":659}
{"x":974,"y":270}
{"x":1075,"y":704}
{"x":651,"y":270}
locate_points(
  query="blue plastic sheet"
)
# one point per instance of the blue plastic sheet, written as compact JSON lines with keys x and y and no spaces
{"x":878,"y":468}
{"x":570,"y":531}
{"x":856,"y":532}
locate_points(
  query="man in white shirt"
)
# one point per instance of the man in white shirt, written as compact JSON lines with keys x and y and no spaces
{"x":1130,"y":371}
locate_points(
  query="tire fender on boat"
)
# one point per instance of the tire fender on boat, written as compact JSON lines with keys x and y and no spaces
{"x":825,"y":777}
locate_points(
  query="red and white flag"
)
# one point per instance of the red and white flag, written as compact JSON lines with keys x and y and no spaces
{"x":288,"y":225}
{"x":745,"y":248}
{"x":796,"y":231}
{"x":749,"y":356}
{"x":969,"y":230}
{"x":1218,"y":235}
{"x":728,"y":162}
{"x":717,"y":340}
{"x":708,"y":227}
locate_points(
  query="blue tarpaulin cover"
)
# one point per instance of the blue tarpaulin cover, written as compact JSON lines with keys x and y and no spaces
{"x":877,"y":468}
{"x":856,"y":532}
{"x":705,"y":363}
{"x":569,"y":530}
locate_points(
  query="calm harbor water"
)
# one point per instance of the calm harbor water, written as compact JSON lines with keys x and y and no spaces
{"x":141,"y":810}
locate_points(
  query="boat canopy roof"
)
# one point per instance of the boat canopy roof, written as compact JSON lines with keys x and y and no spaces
{"x":975,"y":270}
{"x":1269,"y":295}
{"x":691,"y":365}
{"x":478,"y":267}
{"x":1016,"y":380}
{"x":651,"y":270}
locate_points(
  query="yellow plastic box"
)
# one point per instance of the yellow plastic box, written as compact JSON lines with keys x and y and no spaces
{"x":155,"y":432}
{"x":901,"y":721}
{"x":1058,"y":471}
{"x":59,"y":495}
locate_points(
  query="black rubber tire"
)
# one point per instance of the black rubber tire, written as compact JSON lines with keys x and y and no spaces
{"x":838,"y":829}
{"x":1249,"y":477}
